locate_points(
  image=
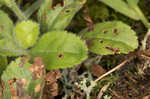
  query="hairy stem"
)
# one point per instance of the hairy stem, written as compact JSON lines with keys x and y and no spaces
{"x":33,"y":8}
{"x":145,"y":39}
{"x":13,"y":6}
{"x":142,"y":17}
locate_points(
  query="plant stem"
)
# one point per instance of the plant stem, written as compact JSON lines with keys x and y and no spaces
{"x":87,"y":96}
{"x":145,"y":22}
{"x":142,"y":17}
{"x":33,"y":8}
{"x":12,"y":4}
{"x":145,"y":39}
{"x":114,"y":69}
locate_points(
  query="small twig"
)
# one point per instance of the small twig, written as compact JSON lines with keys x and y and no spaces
{"x":102,"y":91}
{"x":114,"y":69}
{"x":116,"y":94}
{"x":145,"y":57}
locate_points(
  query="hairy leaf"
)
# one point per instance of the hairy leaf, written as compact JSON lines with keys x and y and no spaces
{"x":60,"y":49}
{"x":6,"y":25}
{"x":57,"y":17}
{"x":26,"y":33}
{"x":111,"y":38}
{"x":7,"y":45}
{"x":3,"y":63}
{"x":9,"y":48}
{"x":122,"y":7}
{"x":22,"y":81}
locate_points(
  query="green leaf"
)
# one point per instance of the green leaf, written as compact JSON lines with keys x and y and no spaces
{"x":1,"y":3}
{"x":3,"y":63}
{"x":21,"y":80}
{"x":9,"y":48}
{"x":122,"y":7}
{"x":60,"y":49}
{"x":58,"y":17}
{"x":111,"y":38}
{"x":26,"y":33}
{"x":6,"y":25}
{"x":7,"y":45}
{"x":132,"y":2}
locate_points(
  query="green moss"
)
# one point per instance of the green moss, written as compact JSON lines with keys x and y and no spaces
{"x":98,"y":12}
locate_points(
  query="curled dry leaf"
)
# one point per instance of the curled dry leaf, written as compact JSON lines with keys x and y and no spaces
{"x":97,"y":70}
{"x":51,"y":87}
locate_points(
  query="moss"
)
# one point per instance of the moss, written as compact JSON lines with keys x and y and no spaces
{"x":98,"y":12}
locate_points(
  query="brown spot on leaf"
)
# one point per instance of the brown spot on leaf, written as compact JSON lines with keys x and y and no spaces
{"x":37,"y":88}
{"x":115,"y":31}
{"x":57,"y":3}
{"x":67,"y":11}
{"x":104,"y":31}
{"x":1,"y":27}
{"x":109,"y":48}
{"x":11,"y":82}
{"x":115,"y":50}
{"x":12,"y":90}
{"x":101,"y":41}
{"x":97,"y":70}
{"x":38,"y":68}
{"x":60,"y":55}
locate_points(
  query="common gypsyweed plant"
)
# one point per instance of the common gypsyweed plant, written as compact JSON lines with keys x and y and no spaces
{"x":58,"y":48}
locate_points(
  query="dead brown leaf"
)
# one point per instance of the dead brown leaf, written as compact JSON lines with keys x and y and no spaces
{"x":51,"y":87}
{"x":97,"y":70}
{"x":146,"y":97}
